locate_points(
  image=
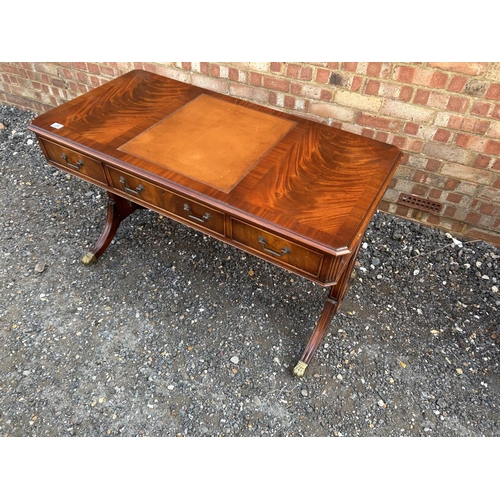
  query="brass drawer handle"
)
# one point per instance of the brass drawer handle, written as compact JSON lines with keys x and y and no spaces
{"x":203,"y":219}
{"x":76,"y":165}
{"x":283,"y":251}
{"x":138,"y":190}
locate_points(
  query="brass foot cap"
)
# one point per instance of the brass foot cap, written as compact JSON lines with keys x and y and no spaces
{"x":299,"y":370}
{"x":89,"y":259}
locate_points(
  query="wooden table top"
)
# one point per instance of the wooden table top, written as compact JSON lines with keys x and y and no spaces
{"x":302,"y":179}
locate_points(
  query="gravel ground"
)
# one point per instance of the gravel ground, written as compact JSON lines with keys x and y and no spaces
{"x":173,"y":333}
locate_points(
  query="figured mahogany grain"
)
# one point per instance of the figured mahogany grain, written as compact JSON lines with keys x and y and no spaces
{"x":316,"y":184}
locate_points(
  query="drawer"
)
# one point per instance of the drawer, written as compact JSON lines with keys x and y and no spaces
{"x":276,"y":248}
{"x":195,"y":213}
{"x":74,"y":162}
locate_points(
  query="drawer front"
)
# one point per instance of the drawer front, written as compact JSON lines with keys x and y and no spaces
{"x":75,"y":162}
{"x":195,"y":213}
{"x":278,"y":249}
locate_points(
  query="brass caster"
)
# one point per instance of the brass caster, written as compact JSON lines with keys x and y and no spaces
{"x":299,"y":369}
{"x":89,"y":259}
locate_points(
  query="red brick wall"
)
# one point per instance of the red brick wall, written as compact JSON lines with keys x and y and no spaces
{"x":444,"y":116}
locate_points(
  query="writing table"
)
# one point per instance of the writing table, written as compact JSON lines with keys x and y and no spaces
{"x":296,"y":193}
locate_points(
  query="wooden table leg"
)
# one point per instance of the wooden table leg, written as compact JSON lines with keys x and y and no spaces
{"x":335,"y":297}
{"x":118,"y":209}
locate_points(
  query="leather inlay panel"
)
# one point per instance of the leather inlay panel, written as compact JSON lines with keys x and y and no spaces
{"x":210,"y":140}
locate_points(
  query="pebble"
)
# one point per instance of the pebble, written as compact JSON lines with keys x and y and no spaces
{"x":235,"y":360}
{"x":40,"y":268}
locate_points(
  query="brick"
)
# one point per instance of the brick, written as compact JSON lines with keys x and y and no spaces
{"x":479,"y":234}
{"x":80,"y":66}
{"x":378,"y":122}
{"x":470,"y":174}
{"x":255,"y":79}
{"x":405,"y":94}
{"x":292,"y":70}
{"x":404,"y":171}
{"x":411,"y":128}
{"x":182,"y":76}
{"x":490,"y":194}
{"x":372,"y":87}
{"x":276,"y":67}
{"x":106,"y":71}
{"x":382,"y":136}
{"x":93,"y":68}
{"x":420,"y":190}
{"x":492,"y":147}
{"x":279,"y":84}
{"x":350,"y":66}
{"x":450,"y":211}
{"x":249,"y":93}
{"x":404,"y":74}
{"x":358,"y":101}
{"x":454,"y":198}
{"x":476,"y":88}
{"x":449,"y":153}
{"x":340,"y":80}
{"x":368,"y":132}
{"x":289,"y":102}
{"x":215,"y":70}
{"x":490,"y":209}
{"x":330,"y":110}
{"x":482,"y":161}
{"x":399,"y":141}
{"x":206,"y":82}
{"x":421,"y":96}
{"x":451,"y":184}
{"x":438,"y":100}
{"x":356,"y":84}
{"x":458,"y":103}
{"x":457,"y":67}
{"x":305,"y":73}
{"x":311,"y":91}
{"x":494,"y":130}
{"x":149,"y":67}
{"x":301,"y":105}
{"x":493,"y":91}
{"x":322,"y":75}
{"x":493,"y":72}
{"x":481,"y":108}
{"x":48,"y":68}
{"x":442,"y":135}
{"x":259,"y":67}
{"x":374,"y":69}
{"x":326,"y":95}
{"x":473,"y":218}
{"x":407,"y":111}
{"x":457,"y":83}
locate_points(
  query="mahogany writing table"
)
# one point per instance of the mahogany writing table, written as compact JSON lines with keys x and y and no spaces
{"x":291,"y":191}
